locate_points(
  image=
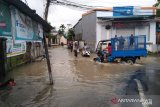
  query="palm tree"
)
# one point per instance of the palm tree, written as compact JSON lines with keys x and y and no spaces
{"x":61,"y":30}
{"x":62,"y":27}
{"x":71,"y":34}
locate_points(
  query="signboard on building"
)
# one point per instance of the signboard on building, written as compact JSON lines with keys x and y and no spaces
{"x":123,"y":11}
{"x":25,"y":28}
{"x":132,"y":11}
{"x":38,"y":31}
{"x":9,"y":45}
{"x":5,"y":20}
{"x":19,"y":47}
{"x":14,"y":49}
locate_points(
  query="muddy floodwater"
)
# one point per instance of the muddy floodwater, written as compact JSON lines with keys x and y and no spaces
{"x":78,"y":82}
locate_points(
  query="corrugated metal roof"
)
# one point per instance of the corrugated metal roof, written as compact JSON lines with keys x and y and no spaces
{"x":29,"y":12}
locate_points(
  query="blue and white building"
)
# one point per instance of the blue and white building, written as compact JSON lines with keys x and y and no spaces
{"x":100,"y":24}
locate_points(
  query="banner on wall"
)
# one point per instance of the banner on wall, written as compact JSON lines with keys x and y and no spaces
{"x":5,"y":20}
{"x":38,"y":31}
{"x":19,"y":47}
{"x":9,"y":45}
{"x":40,"y":28}
{"x":14,"y":49}
{"x":25,"y":28}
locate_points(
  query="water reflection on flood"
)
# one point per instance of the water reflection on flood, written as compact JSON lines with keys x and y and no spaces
{"x":78,"y":82}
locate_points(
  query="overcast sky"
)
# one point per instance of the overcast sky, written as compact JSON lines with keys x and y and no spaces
{"x":68,"y":15}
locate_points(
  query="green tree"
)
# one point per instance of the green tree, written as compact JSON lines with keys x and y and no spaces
{"x":158,"y":6}
{"x":71,"y":34}
{"x":61,"y":30}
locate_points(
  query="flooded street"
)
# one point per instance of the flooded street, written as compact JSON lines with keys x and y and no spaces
{"x":78,"y":82}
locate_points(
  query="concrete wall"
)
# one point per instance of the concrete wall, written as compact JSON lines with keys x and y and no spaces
{"x":36,"y":50}
{"x":63,"y":39}
{"x":104,"y":13}
{"x":89,"y":30}
{"x":152,"y":37}
{"x":103,"y":33}
{"x":153,"y":32}
{"x":78,"y":30}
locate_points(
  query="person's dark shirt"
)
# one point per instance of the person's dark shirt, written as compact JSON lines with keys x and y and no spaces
{"x":131,"y":40}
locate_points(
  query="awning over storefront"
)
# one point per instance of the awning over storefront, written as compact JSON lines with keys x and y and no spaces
{"x":125,"y":18}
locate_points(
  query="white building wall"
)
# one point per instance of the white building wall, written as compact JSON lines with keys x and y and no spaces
{"x":113,"y":32}
{"x":104,"y":13}
{"x":98,"y":33}
{"x":102,"y":33}
{"x":150,"y":32}
{"x":153,"y":32}
{"x":63,"y":39}
{"x":106,"y":33}
{"x":143,"y":30}
{"x":153,"y":47}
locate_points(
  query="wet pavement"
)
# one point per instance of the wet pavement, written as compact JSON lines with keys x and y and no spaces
{"x":78,"y":82}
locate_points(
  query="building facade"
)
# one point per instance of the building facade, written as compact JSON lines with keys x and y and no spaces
{"x":23,"y":29}
{"x":101,"y":24}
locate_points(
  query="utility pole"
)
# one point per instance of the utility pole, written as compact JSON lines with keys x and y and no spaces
{"x":45,"y":45}
{"x":48,"y":2}
{"x":48,"y":60}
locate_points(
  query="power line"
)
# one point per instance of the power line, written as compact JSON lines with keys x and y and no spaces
{"x":71,"y":5}
{"x":74,"y":4}
{"x":82,"y":4}
{"x":85,"y":7}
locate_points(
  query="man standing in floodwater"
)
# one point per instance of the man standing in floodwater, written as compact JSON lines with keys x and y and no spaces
{"x":75,"y":49}
{"x":71,"y":46}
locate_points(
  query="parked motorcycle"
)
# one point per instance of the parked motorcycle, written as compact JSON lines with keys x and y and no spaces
{"x":86,"y":53}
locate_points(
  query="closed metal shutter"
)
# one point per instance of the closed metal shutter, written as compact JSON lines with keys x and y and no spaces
{"x":144,"y":31}
{"x":125,"y":31}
